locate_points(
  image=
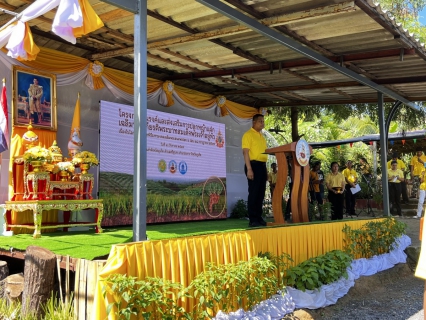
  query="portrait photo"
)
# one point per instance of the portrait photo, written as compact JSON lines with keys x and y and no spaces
{"x":34,"y":98}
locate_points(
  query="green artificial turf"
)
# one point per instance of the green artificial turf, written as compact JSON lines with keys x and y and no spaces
{"x":89,"y":245}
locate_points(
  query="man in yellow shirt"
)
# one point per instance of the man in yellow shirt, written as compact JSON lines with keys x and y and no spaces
{"x":272,"y":178}
{"x":395,"y":177}
{"x":351,"y":179}
{"x":254,"y":146}
{"x":335,"y":183}
{"x":416,"y":168}
{"x":401,"y":166}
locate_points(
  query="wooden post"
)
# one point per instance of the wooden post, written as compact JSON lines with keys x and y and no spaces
{"x":39,"y":279}
{"x":13,"y":288}
{"x":4,"y":272}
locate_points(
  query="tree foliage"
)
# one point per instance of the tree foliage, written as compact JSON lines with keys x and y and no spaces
{"x":407,"y":13}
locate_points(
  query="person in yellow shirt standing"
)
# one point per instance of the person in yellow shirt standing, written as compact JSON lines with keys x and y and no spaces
{"x":422,"y":193}
{"x":335,"y":183}
{"x":416,"y":168}
{"x":254,"y":146}
{"x":395,"y":177}
{"x":351,"y":179}
{"x":272,"y":178}
{"x":401,"y":166}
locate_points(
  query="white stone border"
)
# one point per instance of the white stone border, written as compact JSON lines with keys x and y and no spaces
{"x":290,"y":299}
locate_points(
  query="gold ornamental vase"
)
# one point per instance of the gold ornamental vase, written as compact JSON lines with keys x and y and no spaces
{"x":37,"y":165}
{"x":84,"y":167}
{"x":64,"y":175}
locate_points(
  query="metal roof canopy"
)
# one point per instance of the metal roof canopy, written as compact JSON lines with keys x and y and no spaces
{"x":291,"y":44}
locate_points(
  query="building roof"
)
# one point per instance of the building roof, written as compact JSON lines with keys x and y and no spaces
{"x":201,"y":49}
{"x":401,"y":142}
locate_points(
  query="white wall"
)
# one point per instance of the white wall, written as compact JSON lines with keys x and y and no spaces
{"x":66,"y":99}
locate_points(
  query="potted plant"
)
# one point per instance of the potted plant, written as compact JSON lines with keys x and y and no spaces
{"x":64,"y":169}
{"x":85,"y":160}
{"x":37,"y":156}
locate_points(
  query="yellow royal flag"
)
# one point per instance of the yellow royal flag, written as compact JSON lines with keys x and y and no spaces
{"x":75,"y":143}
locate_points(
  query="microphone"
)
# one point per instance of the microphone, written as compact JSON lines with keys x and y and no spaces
{"x":275,"y":130}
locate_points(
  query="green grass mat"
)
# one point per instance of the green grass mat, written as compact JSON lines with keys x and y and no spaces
{"x":89,"y":245}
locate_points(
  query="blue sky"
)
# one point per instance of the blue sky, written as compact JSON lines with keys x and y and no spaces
{"x":422,"y":17}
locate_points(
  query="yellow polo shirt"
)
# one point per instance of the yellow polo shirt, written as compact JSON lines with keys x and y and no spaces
{"x":313,"y":175}
{"x":256,"y":143}
{"x":417,"y":166}
{"x":396,"y":172}
{"x":272,"y":177}
{"x":335,"y":181}
{"x":400,"y":164}
{"x":350,"y":174}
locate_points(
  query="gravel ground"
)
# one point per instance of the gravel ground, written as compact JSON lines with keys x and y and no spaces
{"x":392,"y":294}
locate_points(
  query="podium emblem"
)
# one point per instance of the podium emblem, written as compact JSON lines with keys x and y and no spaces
{"x":302,"y":152}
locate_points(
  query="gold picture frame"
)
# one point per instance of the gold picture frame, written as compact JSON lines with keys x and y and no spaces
{"x":33,"y":98}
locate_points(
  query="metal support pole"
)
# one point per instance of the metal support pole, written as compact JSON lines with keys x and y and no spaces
{"x":375,"y":160}
{"x":140,"y":116}
{"x":383,"y":154}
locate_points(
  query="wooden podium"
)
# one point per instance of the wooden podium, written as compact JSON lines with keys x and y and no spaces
{"x":299,"y":153}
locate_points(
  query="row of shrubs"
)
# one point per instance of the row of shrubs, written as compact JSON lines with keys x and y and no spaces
{"x":246,"y":283}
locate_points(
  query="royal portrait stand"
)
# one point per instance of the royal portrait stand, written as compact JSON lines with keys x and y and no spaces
{"x":300,"y":177}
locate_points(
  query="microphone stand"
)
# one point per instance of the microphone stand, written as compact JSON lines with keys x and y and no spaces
{"x":369,"y":193}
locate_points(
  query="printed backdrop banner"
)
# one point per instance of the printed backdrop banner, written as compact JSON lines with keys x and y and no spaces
{"x":186,"y":165}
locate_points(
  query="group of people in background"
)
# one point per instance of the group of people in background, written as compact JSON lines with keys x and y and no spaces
{"x":342,"y":186}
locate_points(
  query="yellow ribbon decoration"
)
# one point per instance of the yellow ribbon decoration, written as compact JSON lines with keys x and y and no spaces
{"x":96,"y":70}
{"x":91,"y":20}
{"x":29,"y":45}
{"x":221,"y":101}
{"x":168,"y":88}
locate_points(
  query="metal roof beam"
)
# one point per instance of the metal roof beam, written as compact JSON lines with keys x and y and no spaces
{"x":293,"y":64}
{"x":290,"y":43}
{"x":268,"y":104}
{"x":274,"y":21}
{"x":327,"y":85}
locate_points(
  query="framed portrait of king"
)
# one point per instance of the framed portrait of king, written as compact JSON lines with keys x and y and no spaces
{"x":34,"y":98}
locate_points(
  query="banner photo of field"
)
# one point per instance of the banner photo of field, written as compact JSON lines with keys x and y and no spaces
{"x":186,"y":166}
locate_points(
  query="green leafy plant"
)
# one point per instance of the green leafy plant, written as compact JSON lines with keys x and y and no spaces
{"x":281,"y":263}
{"x":151,"y":298}
{"x":228,"y":287}
{"x":240,"y":210}
{"x":315,"y":272}
{"x":373,"y":238}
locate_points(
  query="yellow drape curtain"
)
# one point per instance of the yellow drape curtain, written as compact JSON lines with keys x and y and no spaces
{"x":53,"y":61}
{"x":45,"y":139}
{"x":121,"y":79}
{"x":50,"y":60}
{"x":194,"y":98}
{"x":180,"y":260}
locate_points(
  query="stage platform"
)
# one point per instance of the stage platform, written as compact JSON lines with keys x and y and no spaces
{"x":180,"y":260}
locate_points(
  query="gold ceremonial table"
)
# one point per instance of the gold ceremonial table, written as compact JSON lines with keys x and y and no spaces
{"x":38,"y":206}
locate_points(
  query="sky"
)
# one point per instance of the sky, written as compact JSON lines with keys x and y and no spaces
{"x":422,"y":17}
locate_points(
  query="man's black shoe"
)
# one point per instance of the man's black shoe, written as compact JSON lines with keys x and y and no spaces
{"x":254,"y":224}
{"x":261,"y":222}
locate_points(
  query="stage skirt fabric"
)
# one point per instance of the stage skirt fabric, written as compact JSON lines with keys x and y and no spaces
{"x":180,"y":260}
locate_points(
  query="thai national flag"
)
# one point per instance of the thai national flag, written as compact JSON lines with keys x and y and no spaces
{"x":4,"y":121}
